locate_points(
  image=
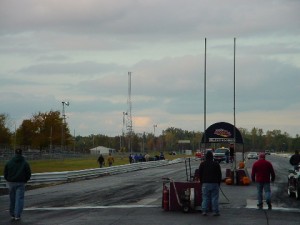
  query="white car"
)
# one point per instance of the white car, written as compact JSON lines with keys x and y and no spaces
{"x":252,"y":155}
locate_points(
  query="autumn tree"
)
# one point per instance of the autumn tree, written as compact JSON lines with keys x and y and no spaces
{"x":43,"y":130}
{"x":5,"y":135}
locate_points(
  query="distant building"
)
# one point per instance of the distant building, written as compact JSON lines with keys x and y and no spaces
{"x":101,"y":150}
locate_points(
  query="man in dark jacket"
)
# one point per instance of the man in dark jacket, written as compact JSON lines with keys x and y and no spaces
{"x":17,"y":172}
{"x":295,"y":160}
{"x":210,"y":178}
{"x":262,"y":172}
{"x":101,"y":160}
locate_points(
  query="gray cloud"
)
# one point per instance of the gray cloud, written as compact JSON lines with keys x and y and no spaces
{"x":80,"y":68}
{"x":81,"y":52}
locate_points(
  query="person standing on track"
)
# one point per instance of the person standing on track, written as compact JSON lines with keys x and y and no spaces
{"x":262,"y":173}
{"x":210,"y":176}
{"x":17,"y":172}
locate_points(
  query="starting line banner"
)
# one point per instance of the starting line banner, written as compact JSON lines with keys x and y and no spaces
{"x":222,"y":132}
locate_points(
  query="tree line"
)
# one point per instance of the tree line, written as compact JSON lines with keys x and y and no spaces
{"x":48,"y":132}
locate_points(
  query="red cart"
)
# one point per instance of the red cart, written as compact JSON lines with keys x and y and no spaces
{"x":185,"y":196}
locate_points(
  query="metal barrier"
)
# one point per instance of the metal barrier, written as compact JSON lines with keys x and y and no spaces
{"x":68,"y":176}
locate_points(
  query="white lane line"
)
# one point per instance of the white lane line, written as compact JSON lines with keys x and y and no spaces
{"x":90,"y":207}
{"x":146,"y":201}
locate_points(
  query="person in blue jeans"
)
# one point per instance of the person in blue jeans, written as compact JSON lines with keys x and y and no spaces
{"x":210,"y":176}
{"x":262,"y":174}
{"x":17,"y":172}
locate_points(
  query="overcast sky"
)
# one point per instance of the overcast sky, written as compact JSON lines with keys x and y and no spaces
{"x":82,"y":50}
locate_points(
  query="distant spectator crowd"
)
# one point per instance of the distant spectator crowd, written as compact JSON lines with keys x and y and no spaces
{"x":135,"y":158}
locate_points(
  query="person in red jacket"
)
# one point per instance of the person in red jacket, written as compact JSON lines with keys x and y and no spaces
{"x":262,"y":174}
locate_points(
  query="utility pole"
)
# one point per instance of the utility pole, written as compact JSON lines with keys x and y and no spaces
{"x":129,"y":116}
{"x":234,"y":120}
{"x":50,"y":150}
{"x":154,"y":126}
{"x":204,"y":134}
{"x":123,"y":131}
{"x":63,"y":125}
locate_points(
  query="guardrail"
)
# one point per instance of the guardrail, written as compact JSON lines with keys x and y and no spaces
{"x":68,"y":176}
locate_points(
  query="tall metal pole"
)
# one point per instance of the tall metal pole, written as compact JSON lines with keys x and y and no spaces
{"x":129,"y":116}
{"x":154,"y":143}
{"x":234,"y":122}
{"x":50,"y":139}
{"x":74,"y":142}
{"x":154,"y":126}
{"x":123,"y":130}
{"x":15,"y":137}
{"x":204,"y":135}
{"x":63,"y":125}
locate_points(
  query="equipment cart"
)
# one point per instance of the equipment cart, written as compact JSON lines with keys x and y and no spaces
{"x":185,"y":196}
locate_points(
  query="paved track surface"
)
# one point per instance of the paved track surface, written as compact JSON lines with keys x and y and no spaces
{"x":135,"y":199}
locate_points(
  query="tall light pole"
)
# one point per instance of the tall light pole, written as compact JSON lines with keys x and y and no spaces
{"x":15,"y":137}
{"x":74,"y":138}
{"x":63,"y":124}
{"x":123,"y":129}
{"x":154,"y":126}
{"x":234,"y":121}
{"x":50,"y":148}
{"x":204,"y":135}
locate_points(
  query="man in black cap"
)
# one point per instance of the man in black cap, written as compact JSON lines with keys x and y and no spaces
{"x":17,"y":172}
{"x":210,"y":178}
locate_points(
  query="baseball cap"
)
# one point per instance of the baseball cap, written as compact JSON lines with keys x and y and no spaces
{"x":262,"y":155}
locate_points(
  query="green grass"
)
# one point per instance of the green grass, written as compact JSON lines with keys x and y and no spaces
{"x":88,"y":162}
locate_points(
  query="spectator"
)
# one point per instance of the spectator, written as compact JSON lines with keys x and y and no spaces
{"x":227,"y":153}
{"x":17,"y":172}
{"x":130,"y":158}
{"x":110,"y":159}
{"x":295,"y":160}
{"x":262,"y":172}
{"x":147,"y":156}
{"x":101,"y":161}
{"x":162,"y":157}
{"x":136,"y":158}
{"x":231,"y":152}
{"x":210,"y":176}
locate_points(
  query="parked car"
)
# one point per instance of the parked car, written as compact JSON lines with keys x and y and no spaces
{"x":252,"y":155}
{"x":267,"y":152}
{"x":220,"y":154}
{"x":199,"y":155}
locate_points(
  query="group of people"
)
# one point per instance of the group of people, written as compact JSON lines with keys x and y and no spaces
{"x":135,"y":158}
{"x":210,"y":177}
{"x":101,"y":160}
{"x":17,"y":173}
